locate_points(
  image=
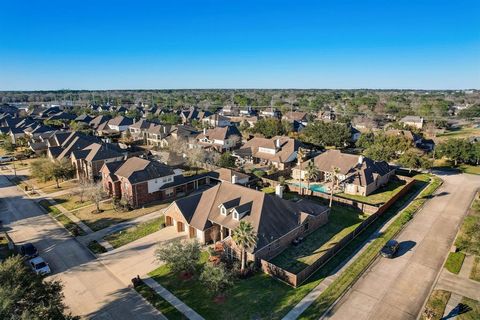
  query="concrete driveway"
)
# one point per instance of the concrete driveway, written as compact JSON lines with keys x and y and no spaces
{"x":138,"y":258}
{"x":396,"y":288}
{"x":91,"y":290}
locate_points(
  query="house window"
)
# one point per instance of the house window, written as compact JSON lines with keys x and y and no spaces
{"x":169,"y":192}
{"x":235,"y":215}
{"x":223,"y":211}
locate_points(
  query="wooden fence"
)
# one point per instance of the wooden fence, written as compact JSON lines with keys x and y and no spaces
{"x":296,"y":279}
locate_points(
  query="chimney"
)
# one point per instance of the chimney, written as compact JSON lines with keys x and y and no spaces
{"x":279,"y":191}
{"x":234,"y":179}
{"x":205,"y":131}
{"x":360,"y":159}
{"x":277,"y":143}
{"x":164,"y":130}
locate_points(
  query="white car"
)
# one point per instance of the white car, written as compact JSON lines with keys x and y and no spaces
{"x":6,"y":159}
{"x":39,"y":266}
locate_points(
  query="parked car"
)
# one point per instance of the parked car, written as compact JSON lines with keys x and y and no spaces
{"x":389,"y":249}
{"x":39,"y":266}
{"x":29,"y":251}
{"x":6,"y":159}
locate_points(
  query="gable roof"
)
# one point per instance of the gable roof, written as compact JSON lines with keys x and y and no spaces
{"x":120,"y":121}
{"x":139,"y":170}
{"x":358,"y":170}
{"x":219,"y":133}
{"x":270,"y":216}
{"x":284,"y":153}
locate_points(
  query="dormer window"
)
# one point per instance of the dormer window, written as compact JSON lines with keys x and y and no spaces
{"x":235,"y":215}
{"x":223,"y":211}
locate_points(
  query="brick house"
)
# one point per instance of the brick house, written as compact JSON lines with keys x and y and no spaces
{"x":213,"y":214}
{"x":281,"y":152}
{"x":358,"y":175}
{"x":141,"y":181}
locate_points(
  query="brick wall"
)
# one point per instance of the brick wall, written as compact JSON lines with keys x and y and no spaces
{"x":298,"y":278}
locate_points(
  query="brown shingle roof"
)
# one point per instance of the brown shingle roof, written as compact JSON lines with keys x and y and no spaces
{"x":138,"y":170}
{"x":270,"y":216}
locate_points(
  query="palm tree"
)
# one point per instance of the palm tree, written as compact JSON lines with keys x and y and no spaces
{"x":333,"y":180}
{"x":311,"y":172}
{"x":300,"y":156}
{"x":244,"y":237}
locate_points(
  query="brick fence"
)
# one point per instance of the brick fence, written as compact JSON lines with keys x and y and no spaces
{"x":295,"y":279}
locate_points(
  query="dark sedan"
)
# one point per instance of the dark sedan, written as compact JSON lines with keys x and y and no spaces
{"x":29,"y":251}
{"x":389,"y":249}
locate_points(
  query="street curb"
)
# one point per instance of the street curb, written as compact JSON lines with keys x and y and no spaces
{"x":347,"y":290}
{"x":434,"y":284}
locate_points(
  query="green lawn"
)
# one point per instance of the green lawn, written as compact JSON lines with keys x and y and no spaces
{"x":72,"y":201}
{"x":247,"y":299}
{"x":258,"y":297}
{"x":460,"y":133}
{"x":287,"y":195}
{"x":473,"y":312}
{"x":4,"y":251}
{"x":123,"y":237}
{"x":355,"y":270}
{"x":437,"y":302}
{"x":63,"y":219}
{"x":162,"y":305}
{"x":380,"y":196}
{"x":454,"y":262}
{"x":475,"y":273}
{"x":63,"y":186}
{"x":109,"y":216}
{"x":96,"y":247}
{"x":470,"y":169}
{"x":342,"y":221}
{"x":468,"y":239}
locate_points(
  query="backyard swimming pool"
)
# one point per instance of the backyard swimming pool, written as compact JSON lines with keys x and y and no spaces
{"x":314,"y":187}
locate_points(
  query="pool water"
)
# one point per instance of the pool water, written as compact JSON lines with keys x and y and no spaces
{"x":314,"y":187}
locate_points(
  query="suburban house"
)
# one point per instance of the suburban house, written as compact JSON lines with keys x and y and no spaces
{"x":141,"y":181}
{"x":213,"y":214}
{"x":229,"y":175}
{"x":230,"y":110}
{"x":89,"y":160}
{"x":187,"y":116}
{"x":98,"y":120}
{"x":114,"y":126}
{"x":298,"y":116}
{"x":216,"y":120}
{"x":357,"y":175}
{"x":413,"y":121}
{"x":138,"y":130}
{"x":270,"y":113}
{"x":220,"y":138}
{"x":157,"y":133}
{"x":279,"y":151}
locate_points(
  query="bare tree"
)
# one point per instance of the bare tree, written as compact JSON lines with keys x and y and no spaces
{"x":83,"y":185}
{"x":95,"y":193}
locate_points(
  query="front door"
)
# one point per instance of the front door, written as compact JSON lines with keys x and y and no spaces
{"x":180,"y":226}
{"x":192,"y":232}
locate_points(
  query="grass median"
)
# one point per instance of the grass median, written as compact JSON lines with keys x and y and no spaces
{"x":162,"y":305}
{"x":436,"y":303}
{"x":123,"y":237}
{"x":71,"y":226}
{"x":354,"y":271}
{"x":454,"y":262}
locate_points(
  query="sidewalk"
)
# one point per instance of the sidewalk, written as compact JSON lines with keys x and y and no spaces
{"x":300,"y":307}
{"x":100,"y":234}
{"x":174,"y":301}
{"x":64,"y":211}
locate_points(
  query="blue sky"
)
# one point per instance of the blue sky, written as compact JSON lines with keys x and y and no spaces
{"x":119,"y":44}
